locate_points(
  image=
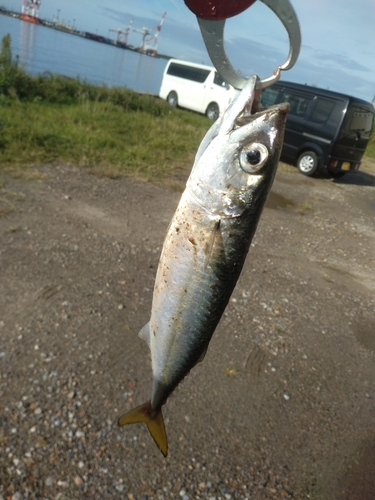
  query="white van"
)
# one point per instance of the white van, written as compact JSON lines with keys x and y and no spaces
{"x":196,"y":87}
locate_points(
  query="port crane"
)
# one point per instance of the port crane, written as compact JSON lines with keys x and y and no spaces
{"x":150,"y":38}
{"x":122,"y":36}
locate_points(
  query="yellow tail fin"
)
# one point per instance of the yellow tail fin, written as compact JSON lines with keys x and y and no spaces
{"x":154,"y":421}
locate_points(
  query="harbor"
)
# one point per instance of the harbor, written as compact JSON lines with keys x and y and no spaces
{"x":41,"y":50}
{"x":148,"y":45}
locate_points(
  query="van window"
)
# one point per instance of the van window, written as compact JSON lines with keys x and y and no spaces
{"x":219,"y":81}
{"x":358,"y":122}
{"x":269,"y":96}
{"x":297,"y":103}
{"x":322,"y":110}
{"x":188,"y":72}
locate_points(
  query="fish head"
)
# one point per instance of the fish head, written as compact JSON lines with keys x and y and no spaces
{"x":237,"y":160}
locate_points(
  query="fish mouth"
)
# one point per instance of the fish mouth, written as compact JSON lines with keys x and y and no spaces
{"x":248,"y":107}
{"x":254,"y":115}
{"x":254,"y":109}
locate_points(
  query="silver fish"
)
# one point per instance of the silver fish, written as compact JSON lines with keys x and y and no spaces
{"x":207,"y":243}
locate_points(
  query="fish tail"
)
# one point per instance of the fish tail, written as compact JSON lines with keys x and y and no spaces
{"x":154,"y":421}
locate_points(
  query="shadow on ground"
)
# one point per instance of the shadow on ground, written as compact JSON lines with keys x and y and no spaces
{"x":358,"y":482}
{"x":360,"y":178}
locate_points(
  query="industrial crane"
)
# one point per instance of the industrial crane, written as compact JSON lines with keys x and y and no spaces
{"x":150,"y":37}
{"x":122,"y":36}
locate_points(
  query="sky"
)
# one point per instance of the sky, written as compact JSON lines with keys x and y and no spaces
{"x":338,"y":36}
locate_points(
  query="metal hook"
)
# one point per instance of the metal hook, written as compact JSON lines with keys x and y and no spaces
{"x":213,"y":36}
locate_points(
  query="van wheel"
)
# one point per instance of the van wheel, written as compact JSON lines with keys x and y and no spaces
{"x":212,"y":111}
{"x":172,"y":99}
{"x":308,"y":163}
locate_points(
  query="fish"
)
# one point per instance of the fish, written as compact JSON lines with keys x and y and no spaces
{"x":206,"y":244}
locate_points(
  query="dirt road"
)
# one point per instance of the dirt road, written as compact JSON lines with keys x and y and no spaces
{"x":283,"y":404}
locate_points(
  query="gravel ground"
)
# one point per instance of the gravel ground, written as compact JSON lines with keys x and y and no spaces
{"x":282,"y":406}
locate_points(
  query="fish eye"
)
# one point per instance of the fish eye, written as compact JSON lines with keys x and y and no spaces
{"x":253,"y":157}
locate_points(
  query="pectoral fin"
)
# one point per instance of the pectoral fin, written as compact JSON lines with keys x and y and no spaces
{"x":154,"y":421}
{"x":145,"y":333}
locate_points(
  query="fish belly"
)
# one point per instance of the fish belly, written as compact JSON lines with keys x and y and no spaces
{"x":200,"y":263}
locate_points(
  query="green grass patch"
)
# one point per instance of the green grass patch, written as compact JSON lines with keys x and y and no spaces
{"x":111,"y":131}
{"x":101,"y":136}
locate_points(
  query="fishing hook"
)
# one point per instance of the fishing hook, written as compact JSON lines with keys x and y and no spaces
{"x":213,"y":35}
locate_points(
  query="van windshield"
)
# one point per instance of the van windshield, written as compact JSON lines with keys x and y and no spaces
{"x":188,"y":72}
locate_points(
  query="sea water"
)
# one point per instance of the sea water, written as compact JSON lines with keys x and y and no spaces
{"x":40,"y":50}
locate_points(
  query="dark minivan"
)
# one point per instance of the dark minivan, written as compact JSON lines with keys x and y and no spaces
{"x":324,"y":129}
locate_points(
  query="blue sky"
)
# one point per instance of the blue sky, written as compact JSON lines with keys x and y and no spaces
{"x":338,"y":36}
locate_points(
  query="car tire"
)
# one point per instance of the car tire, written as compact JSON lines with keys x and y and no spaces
{"x":172,"y":99}
{"x":212,"y":111}
{"x":308,"y":163}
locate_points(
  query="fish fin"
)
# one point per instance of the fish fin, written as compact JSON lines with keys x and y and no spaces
{"x":210,"y":243}
{"x":145,"y":333}
{"x":154,"y":421}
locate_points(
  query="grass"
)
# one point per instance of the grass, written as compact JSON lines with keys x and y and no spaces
{"x":110,"y":131}
{"x":101,"y":136}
